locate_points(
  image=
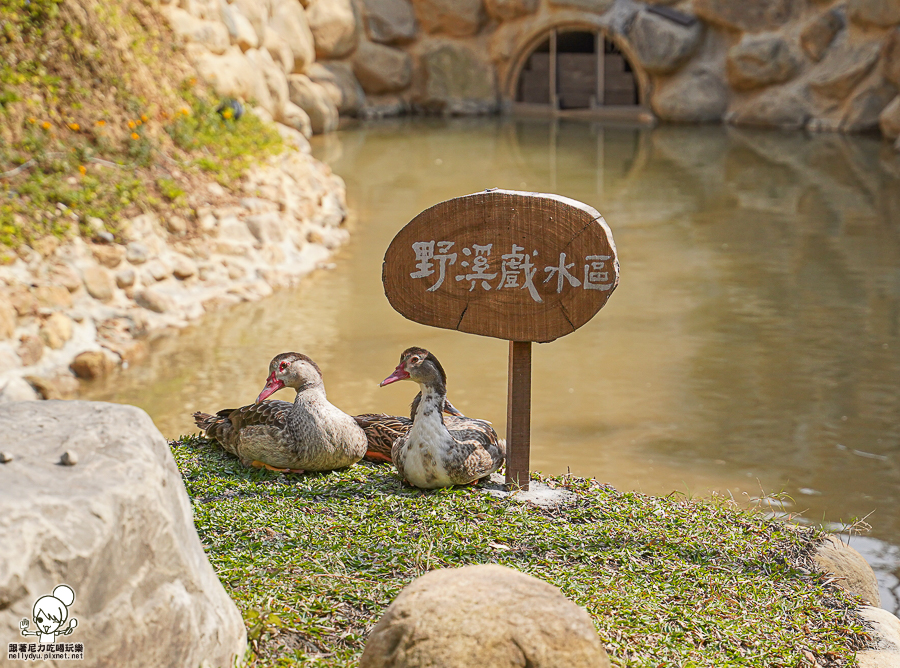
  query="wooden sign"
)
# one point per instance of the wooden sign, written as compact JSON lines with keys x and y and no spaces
{"x":526,"y":267}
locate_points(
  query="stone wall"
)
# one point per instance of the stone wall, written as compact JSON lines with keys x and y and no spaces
{"x":75,"y":308}
{"x":815,"y":64}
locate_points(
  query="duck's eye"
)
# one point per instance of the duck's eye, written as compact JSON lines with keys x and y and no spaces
{"x":415,"y":360}
{"x":39,"y":619}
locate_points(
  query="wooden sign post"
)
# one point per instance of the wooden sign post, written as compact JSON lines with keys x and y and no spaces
{"x":525,"y":267}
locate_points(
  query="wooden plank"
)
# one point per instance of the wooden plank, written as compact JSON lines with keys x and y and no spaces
{"x":490,"y":264}
{"x":518,"y":415}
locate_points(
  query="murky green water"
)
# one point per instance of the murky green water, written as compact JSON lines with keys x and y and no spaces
{"x":753,"y":344}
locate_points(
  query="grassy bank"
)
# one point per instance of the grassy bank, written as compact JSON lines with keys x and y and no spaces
{"x":312,"y":561}
{"x":102,"y":118}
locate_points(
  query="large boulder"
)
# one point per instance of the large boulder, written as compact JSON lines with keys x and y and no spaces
{"x":819,"y":33}
{"x":874,"y":12}
{"x":116,"y":528}
{"x":886,"y":634}
{"x":485,"y":615}
{"x":761,"y":60}
{"x":459,"y":18}
{"x":390,"y":21}
{"x":333,"y":27}
{"x":458,"y":80}
{"x":845,"y":65}
{"x":279,"y":49}
{"x":340,"y":83}
{"x":889,"y":119}
{"x":231,"y":75}
{"x":780,"y":107}
{"x":891,"y":57}
{"x":854,"y":574}
{"x":381,"y":69}
{"x":661,"y":45}
{"x":868,"y":101}
{"x":256,"y":13}
{"x":275,"y":80}
{"x":696,"y":96}
{"x":749,"y":15}
{"x":507,"y":10}
{"x":314,"y":100}
{"x":289,"y":20}
{"x":212,"y":35}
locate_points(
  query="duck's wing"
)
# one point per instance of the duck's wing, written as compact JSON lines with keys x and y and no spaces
{"x":481,"y":451}
{"x":381,"y":432}
{"x":226,"y":425}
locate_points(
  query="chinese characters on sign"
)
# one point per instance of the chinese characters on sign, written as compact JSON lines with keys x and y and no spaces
{"x":516,"y":269}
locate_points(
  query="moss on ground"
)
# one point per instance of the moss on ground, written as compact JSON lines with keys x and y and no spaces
{"x":312,"y":561}
{"x":100,"y":117}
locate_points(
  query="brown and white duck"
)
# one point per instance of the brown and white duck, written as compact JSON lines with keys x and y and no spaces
{"x":308,"y":435}
{"x":382,"y":430}
{"x":440,"y":451}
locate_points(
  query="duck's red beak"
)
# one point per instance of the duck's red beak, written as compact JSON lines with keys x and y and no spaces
{"x":272,"y":386}
{"x":399,"y":374}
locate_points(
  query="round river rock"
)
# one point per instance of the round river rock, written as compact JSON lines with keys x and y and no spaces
{"x":484,"y":615}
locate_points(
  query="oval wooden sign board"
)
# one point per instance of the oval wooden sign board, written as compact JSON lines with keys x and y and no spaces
{"x":513,"y":265}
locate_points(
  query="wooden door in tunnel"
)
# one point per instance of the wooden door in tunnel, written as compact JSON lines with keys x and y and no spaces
{"x":577,"y":70}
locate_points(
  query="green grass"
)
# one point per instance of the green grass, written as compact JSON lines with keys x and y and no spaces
{"x":312,"y":561}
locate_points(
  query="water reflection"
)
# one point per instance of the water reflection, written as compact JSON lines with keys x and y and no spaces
{"x":753,"y":343}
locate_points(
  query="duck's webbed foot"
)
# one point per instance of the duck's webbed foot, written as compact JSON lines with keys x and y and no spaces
{"x":262,"y":465}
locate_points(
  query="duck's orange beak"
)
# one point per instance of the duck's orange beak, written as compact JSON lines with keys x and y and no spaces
{"x":399,"y":374}
{"x":273,"y":384}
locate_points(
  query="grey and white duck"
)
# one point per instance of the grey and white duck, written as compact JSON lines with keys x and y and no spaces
{"x":439,"y":450}
{"x":309,"y":434}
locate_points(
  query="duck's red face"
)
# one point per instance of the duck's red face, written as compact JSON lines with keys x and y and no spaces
{"x":399,"y":374}
{"x":273,"y":384}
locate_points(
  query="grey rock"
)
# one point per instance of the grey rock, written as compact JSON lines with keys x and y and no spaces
{"x":891,"y":56}
{"x":773,"y":108}
{"x":289,"y":20}
{"x":844,"y":66}
{"x":69,"y":458}
{"x":154,"y":300}
{"x":818,"y":34}
{"x":18,"y":389}
{"x":381,"y":69}
{"x":459,"y":80}
{"x":459,"y":18}
{"x":507,"y":10}
{"x":266,"y":227}
{"x":59,"y":386}
{"x":136,"y":253}
{"x":593,"y":6}
{"x":886,"y":632}
{"x":56,"y":330}
{"x":486,"y":615}
{"x":98,"y":282}
{"x":5,"y":458}
{"x":339,"y":77}
{"x":698,"y":96}
{"x":889,"y":119}
{"x":121,"y":536}
{"x":662,"y":45}
{"x":874,"y":12}
{"x":750,"y":15}
{"x":760,"y":60}
{"x":176,"y":225}
{"x":863,"y":109}
{"x":184,"y":268}
{"x":31,"y":349}
{"x":313,"y":98}
{"x":333,"y":27}
{"x":93,"y":364}
{"x":390,"y":21}
{"x":125,"y":278}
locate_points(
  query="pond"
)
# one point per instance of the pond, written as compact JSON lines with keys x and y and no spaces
{"x":751,"y":349}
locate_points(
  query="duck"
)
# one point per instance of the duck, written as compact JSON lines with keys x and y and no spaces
{"x":382,"y":430}
{"x":309,"y":434}
{"x":440,"y":451}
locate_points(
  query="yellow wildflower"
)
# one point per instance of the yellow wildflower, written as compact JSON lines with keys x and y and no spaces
{"x":101,"y":123}
{"x":144,"y":117}
{"x":82,"y":169}
{"x":227,"y":113}
{"x":131,"y":125}
{"x":74,"y":126}
{"x":46,"y":125}
{"x":135,"y":135}
{"x":137,"y":122}
{"x":32,"y":121}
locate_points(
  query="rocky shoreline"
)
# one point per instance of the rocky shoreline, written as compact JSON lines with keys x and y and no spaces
{"x":79,"y":309}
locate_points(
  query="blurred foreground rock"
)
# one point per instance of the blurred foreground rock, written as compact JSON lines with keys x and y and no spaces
{"x":484,"y":615}
{"x":115,"y":525}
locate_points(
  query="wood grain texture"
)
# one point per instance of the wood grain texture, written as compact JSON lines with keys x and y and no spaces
{"x":560,"y":266}
{"x":518,"y":415}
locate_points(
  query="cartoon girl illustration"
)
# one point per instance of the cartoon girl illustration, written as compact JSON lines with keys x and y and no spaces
{"x":49,"y":614}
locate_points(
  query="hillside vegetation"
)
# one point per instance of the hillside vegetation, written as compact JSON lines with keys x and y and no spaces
{"x":102,"y":118}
